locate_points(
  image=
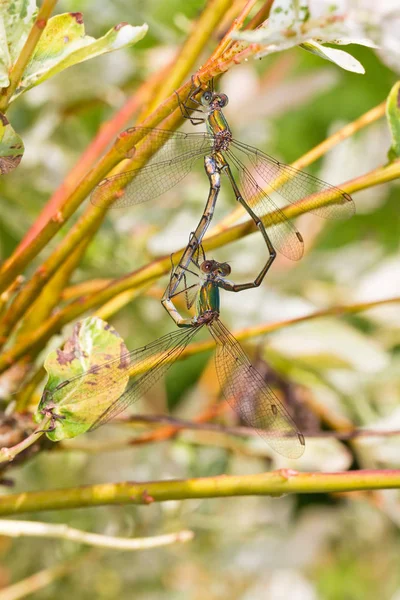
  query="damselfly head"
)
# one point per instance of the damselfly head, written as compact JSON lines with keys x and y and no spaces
{"x":216,"y":268}
{"x":214,"y":100}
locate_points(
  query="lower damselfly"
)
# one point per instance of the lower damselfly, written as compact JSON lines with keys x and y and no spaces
{"x":244,"y":388}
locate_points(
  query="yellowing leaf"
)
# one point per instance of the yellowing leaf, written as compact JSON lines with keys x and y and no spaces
{"x":92,"y":343}
{"x":16,"y":20}
{"x":299,"y":22}
{"x":393,"y":117}
{"x":64,"y":44}
{"x":11,"y":146}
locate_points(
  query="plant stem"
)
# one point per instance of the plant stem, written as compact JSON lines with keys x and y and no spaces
{"x":62,"y":531}
{"x":8,"y":454}
{"x":44,"y":272}
{"x":200,"y":423}
{"x":276,"y":483}
{"x":16,"y":263}
{"x":27,"y":51}
{"x":43,"y":578}
{"x":178,"y":69}
{"x":251,"y":332}
{"x":151,"y":272}
{"x":201,"y":32}
{"x":236,"y":25}
{"x":49,"y":296}
{"x":315,"y":153}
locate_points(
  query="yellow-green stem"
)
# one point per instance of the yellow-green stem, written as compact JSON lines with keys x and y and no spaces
{"x":276,"y":483}
{"x":15,"y":264}
{"x":8,"y":454}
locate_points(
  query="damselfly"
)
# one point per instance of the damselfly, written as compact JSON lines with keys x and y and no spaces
{"x":244,"y":388}
{"x":172,"y":155}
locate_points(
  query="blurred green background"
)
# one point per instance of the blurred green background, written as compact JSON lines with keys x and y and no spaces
{"x":303,"y":548}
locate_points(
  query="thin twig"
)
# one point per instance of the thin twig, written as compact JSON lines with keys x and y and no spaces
{"x":151,"y":272}
{"x":177,"y":425}
{"x":314,"y":154}
{"x":8,"y":454}
{"x":43,"y":578}
{"x":171,"y":76}
{"x":62,"y":531}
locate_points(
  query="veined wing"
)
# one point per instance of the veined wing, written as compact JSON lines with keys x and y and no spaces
{"x":184,"y":283}
{"x":249,"y":395}
{"x":283,"y":234}
{"x":137,"y":371}
{"x":293,"y":185}
{"x":149,"y":364}
{"x":166,"y":166}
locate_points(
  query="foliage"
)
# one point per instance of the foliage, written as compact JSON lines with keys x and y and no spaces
{"x":293,"y":23}
{"x":323,"y":331}
{"x":62,"y":44}
{"x":92,"y":343}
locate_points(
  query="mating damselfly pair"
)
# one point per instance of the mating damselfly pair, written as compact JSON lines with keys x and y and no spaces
{"x":170,"y":156}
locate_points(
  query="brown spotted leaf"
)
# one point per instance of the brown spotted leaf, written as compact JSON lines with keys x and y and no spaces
{"x":92,"y":343}
{"x":11,"y":147}
{"x":64,"y":43}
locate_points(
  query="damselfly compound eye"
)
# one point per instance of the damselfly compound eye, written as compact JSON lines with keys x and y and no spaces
{"x":222,"y":100}
{"x":226,"y":269}
{"x":206,"y":266}
{"x":206,"y":98}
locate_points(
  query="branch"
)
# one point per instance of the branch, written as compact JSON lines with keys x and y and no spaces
{"x":8,"y":454}
{"x":61,"y":531}
{"x":177,"y":425}
{"x":26,"y":52}
{"x":16,"y":263}
{"x":200,"y":34}
{"x":43,"y":578}
{"x":314,"y":154}
{"x":88,"y":224}
{"x":151,"y":272}
{"x":178,"y":69}
{"x":276,"y":483}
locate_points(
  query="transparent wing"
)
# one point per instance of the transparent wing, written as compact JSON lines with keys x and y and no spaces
{"x":184,"y":283}
{"x":140,"y":369}
{"x":166,"y":167}
{"x":283,"y":234}
{"x":155,"y":359}
{"x":249,"y":395}
{"x":293,"y":185}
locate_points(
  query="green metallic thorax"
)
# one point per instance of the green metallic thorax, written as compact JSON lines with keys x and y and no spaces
{"x":208,"y":298}
{"x":216,"y":122}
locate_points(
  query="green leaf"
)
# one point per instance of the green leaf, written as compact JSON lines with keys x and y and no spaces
{"x":393,"y":117}
{"x":64,"y":44}
{"x":339,"y":57}
{"x":16,"y":20}
{"x":11,"y":146}
{"x":298,"y":22}
{"x":92,"y":343}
